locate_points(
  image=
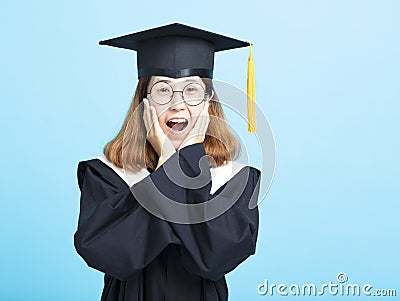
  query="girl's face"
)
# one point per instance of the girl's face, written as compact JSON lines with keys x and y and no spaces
{"x":176,"y":117}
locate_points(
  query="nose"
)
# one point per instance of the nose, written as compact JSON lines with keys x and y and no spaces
{"x":177,"y":102}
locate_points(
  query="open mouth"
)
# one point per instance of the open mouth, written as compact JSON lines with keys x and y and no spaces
{"x":177,"y":124}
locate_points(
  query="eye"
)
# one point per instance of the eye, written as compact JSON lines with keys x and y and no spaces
{"x":161,"y":88}
{"x":191,"y":89}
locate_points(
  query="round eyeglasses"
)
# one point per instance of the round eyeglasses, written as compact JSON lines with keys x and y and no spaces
{"x":193,"y":94}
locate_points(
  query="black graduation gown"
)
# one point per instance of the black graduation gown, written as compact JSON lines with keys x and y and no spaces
{"x":148,"y":258}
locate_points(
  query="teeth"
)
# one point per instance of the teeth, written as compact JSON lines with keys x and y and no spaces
{"x":179,"y":120}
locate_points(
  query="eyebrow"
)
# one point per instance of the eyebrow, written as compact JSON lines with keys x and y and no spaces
{"x":190,"y":80}
{"x":170,"y":81}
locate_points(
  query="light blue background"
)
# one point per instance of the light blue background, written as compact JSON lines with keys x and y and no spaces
{"x":327,"y":80}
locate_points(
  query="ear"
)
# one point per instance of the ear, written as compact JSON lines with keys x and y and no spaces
{"x":212,"y":95}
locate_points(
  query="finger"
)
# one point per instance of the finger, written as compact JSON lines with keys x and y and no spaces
{"x":205,"y":118}
{"x":207,"y":113}
{"x":154,"y":118}
{"x":197,"y":125}
{"x":206,"y":122}
{"x":202,"y":119}
{"x":156,"y":125}
{"x":146,"y":118}
{"x":204,"y":112}
{"x":149,"y":115}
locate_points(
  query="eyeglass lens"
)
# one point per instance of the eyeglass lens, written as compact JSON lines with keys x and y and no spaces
{"x":193,"y":93}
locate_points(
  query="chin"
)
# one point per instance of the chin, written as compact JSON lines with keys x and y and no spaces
{"x":176,"y":143}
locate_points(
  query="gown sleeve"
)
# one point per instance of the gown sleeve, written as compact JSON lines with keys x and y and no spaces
{"x":118,"y":236}
{"x":215,"y":247}
{"x":115,"y":234}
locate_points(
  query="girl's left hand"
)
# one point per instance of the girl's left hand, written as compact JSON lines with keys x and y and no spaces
{"x":198,"y":133}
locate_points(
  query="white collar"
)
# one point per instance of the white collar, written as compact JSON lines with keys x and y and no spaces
{"x":219,"y":175}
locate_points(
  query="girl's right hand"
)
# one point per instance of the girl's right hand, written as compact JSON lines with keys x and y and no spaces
{"x":155,"y":135}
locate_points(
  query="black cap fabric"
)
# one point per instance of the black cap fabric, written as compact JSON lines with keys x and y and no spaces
{"x":175,"y":50}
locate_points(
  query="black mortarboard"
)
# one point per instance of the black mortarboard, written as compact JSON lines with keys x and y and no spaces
{"x":175,"y":50}
{"x":178,"y":50}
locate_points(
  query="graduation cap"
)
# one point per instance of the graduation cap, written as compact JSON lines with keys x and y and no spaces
{"x":178,"y":50}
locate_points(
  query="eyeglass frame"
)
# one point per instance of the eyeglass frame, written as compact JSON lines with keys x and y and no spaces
{"x":173,"y":91}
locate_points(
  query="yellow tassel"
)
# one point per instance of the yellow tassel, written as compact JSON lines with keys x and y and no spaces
{"x":251,"y":93}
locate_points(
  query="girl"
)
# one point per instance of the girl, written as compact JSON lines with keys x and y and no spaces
{"x":148,"y":247}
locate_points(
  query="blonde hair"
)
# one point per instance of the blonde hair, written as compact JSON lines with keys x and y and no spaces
{"x":131,"y":150}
